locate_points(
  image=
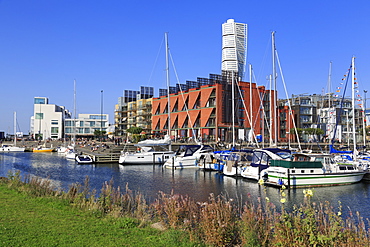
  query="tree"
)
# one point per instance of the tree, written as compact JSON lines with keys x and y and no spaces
{"x":99,"y":133}
{"x":135,"y":130}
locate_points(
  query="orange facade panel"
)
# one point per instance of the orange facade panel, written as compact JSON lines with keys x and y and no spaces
{"x":181,"y":100}
{"x":155,"y":105}
{"x":193,"y":96}
{"x":205,"y":94}
{"x":205,"y":114}
{"x":173,"y":119}
{"x":193,"y":116}
{"x":173,"y":102}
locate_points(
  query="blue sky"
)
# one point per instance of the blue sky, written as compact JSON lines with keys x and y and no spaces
{"x":116,"y":45}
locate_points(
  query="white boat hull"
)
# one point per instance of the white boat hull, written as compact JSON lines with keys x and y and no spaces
{"x":251,"y":172}
{"x":145,"y":158}
{"x":11,"y":149}
{"x":312,"y":177}
{"x":84,"y":159}
{"x":182,"y":162}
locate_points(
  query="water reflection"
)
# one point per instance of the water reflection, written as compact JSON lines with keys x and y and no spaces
{"x":197,"y":184}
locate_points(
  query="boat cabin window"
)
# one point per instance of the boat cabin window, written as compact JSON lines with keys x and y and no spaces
{"x":293,"y":171}
{"x":260,"y":158}
{"x":311,"y":171}
{"x":302,"y":171}
{"x":284,"y":155}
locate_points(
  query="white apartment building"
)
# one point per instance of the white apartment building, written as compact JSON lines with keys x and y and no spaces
{"x":234,"y":47}
{"x":47,"y":121}
{"x":86,"y":124}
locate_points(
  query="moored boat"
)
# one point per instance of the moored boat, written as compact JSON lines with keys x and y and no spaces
{"x":312,"y":171}
{"x":42,"y":150}
{"x":261,"y":160}
{"x":11,"y":148}
{"x":148,"y":153}
{"x":84,"y":159}
{"x":188,"y":156}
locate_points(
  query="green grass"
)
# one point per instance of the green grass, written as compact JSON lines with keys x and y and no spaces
{"x":40,"y":221}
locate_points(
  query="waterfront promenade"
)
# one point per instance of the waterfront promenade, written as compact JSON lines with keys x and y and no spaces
{"x":109,"y":151}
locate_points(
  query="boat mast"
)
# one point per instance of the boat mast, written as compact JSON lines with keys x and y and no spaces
{"x":353,"y":109}
{"x":15,"y":129}
{"x":168,"y":87}
{"x":271,"y":107}
{"x":233,"y":106}
{"x":74,"y":112}
{"x":250,"y":102}
{"x":274,"y":81}
{"x":329,"y":86}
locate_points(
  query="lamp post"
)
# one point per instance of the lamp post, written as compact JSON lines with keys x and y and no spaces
{"x":101,"y":117}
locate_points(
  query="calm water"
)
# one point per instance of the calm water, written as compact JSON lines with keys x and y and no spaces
{"x":149,"y":180}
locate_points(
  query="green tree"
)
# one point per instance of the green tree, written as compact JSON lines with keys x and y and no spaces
{"x":99,"y":133}
{"x":135,"y":130}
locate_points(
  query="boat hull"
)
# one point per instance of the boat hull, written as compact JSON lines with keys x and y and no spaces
{"x":84,"y":159}
{"x":312,"y":177}
{"x":145,"y":158}
{"x":44,"y":150}
{"x":12,"y":149}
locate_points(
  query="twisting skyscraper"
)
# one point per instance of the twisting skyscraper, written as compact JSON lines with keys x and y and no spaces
{"x":234,"y":47}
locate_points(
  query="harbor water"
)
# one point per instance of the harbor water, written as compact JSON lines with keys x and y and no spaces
{"x":197,"y":184}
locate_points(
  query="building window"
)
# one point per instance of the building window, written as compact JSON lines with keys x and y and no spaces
{"x":81,"y":123}
{"x":87,"y":131}
{"x":54,"y":122}
{"x":39,"y":116}
{"x":39,"y":101}
{"x":54,"y":130}
{"x":92,"y":124}
{"x":97,"y":117}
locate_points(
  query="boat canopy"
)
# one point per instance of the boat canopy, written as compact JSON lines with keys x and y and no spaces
{"x":334,"y":151}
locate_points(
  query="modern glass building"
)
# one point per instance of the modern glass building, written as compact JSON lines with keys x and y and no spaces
{"x":234,"y":47}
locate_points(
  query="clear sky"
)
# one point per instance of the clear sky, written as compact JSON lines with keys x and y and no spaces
{"x":115,"y":45}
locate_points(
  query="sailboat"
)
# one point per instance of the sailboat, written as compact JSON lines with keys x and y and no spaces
{"x":310,"y":170}
{"x":148,"y":152}
{"x":71,"y":152}
{"x":9,"y":147}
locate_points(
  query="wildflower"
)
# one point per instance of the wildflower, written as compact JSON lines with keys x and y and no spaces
{"x":339,"y":213}
{"x":282,"y":200}
{"x":308,"y":193}
{"x":283,"y":193}
{"x":261,"y":182}
{"x":267,"y":199}
{"x":283,"y":187}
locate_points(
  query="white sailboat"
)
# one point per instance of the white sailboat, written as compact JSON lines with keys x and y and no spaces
{"x":71,"y":151}
{"x":148,"y":154}
{"x":10,"y":147}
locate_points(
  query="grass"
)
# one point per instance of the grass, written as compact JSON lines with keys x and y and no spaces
{"x":33,"y":214}
{"x":40,"y":221}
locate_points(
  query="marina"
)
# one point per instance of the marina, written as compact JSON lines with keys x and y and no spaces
{"x":196,"y":183}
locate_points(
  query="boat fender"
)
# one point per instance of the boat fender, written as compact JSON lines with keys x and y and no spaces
{"x":280,"y":181}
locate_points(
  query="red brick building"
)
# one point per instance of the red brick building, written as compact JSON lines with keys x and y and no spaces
{"x":206,"y":112}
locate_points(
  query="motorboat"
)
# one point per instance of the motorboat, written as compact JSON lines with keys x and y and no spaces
{"x":84,"y":159}
{"x":71,"y":154}
{"x":236,"y":162}
{"x":261,"y":160}
{"x":148,"y":152}
{"x":188,"y":156}
{"x":11,"y":148}
{"x":312,"y":171}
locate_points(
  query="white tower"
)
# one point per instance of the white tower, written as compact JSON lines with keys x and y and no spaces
{"x":234,"y":47}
